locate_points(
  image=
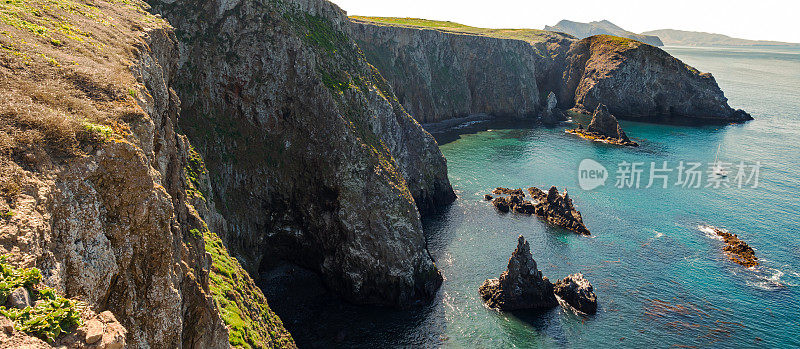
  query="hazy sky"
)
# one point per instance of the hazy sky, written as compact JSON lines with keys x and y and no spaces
{"x":757,"y":20}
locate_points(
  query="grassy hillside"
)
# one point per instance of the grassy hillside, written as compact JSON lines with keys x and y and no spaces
{"x":530,"y":35}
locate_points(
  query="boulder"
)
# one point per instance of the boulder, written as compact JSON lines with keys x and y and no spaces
{"x":521,"y":286}
{"x":94,"y":331}
{"x":576,"y":291}
{"x":487,"y":197}
{"x":606,"y":124}
{"x":6,"y":325}
{"x":19,"y":298}
{"x":502,"y":204}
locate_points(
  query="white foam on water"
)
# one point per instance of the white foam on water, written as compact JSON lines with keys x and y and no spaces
{"x":709,"y":231}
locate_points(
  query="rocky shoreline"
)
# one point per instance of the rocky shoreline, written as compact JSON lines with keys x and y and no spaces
{"x":557,"y":209}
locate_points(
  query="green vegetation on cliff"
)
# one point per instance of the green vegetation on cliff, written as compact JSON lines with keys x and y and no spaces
{"x":50,"y":317}
{"x":529,"y":35}
{"x":241,"y":303}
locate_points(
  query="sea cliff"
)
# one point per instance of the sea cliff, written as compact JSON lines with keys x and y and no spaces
{"x":443,"y":70}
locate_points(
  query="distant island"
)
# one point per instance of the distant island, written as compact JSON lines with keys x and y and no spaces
{"x":672,"y":37}
{"x":584,"y":30}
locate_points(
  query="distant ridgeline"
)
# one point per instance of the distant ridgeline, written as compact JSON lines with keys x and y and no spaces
{"x":604,"y":27}
{"x":445,"y":70}
{"x":674,"y":37}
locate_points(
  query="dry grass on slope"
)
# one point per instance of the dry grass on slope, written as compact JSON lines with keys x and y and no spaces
{"x":65,"y":80}
{"x":529,"y":35}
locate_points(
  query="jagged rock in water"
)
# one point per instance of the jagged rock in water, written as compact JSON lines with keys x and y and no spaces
{"x":487,"y":197}
{"x":552,"y":114}
{"x":576,"y":291}
{"x":551,"y":206}
{"x":606,"y":124}
{"x":738,"y":251}
{"x":521,"y":286}
{"x":508,"y":191}
{"x":558,"y":209}
{"x":604,"y":127}
{"x":502,"y":204}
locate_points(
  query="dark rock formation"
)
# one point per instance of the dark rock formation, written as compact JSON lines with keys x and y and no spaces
{"x":552,"y":114}
{"x":738,"y":251}
{"x":641,"y":82}
{"x":487,"y":197}
{"x":441,"y":73}
{"x":551,"y":206}
{"x":604,"y":128}
{"x":508,"y":191}
{"x":558,"y":209}
{"x":521,"y":286}
{"x":311,"y":157}
{"x":576,"y":291}
{"x":19,"y":298}
{"x":606,"y":124}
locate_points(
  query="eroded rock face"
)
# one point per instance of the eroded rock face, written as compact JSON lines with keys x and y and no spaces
{"x":312,"y":158}
{"x":606,"y":124}
{"x":642,"y":82}
{"x":558,"y":209}
{"x":552,"y":114}
{"x":111,"y":227}
{"x":605,"y":128}
{"x":440,"y":74}
{"x":576,"y":291}
{"x":521,"y":286}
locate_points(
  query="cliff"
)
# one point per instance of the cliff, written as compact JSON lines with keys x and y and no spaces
{"x":639,"y":81}
{"x":582,"y":30}
{"x":440,"y":74}
{"x":310,"y":157}
{"x":428,"y":63}
{"x":94,"y":192}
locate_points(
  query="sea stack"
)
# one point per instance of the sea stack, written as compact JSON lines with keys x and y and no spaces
{"x":576,"y":291}
{"x":604,"y":127}
{"x":521,"y":286}
{"x":552,"y":115}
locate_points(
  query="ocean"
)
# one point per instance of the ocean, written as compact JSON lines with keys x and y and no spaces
{"x":660,"y":276}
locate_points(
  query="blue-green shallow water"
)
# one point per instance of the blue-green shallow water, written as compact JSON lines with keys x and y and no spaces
{"x":660,"y":280}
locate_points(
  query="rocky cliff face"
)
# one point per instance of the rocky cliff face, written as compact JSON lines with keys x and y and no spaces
{"x":439,"y":75}
{"x":93,"y":182}
{"x":435,"y":68}
{"x":310,"y":156}
{"x":638,"y":81}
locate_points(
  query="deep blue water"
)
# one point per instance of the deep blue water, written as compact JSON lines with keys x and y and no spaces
{"x":660,"y":280}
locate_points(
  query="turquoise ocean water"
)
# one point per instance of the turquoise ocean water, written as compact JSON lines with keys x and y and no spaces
{"x":661,"y":281}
